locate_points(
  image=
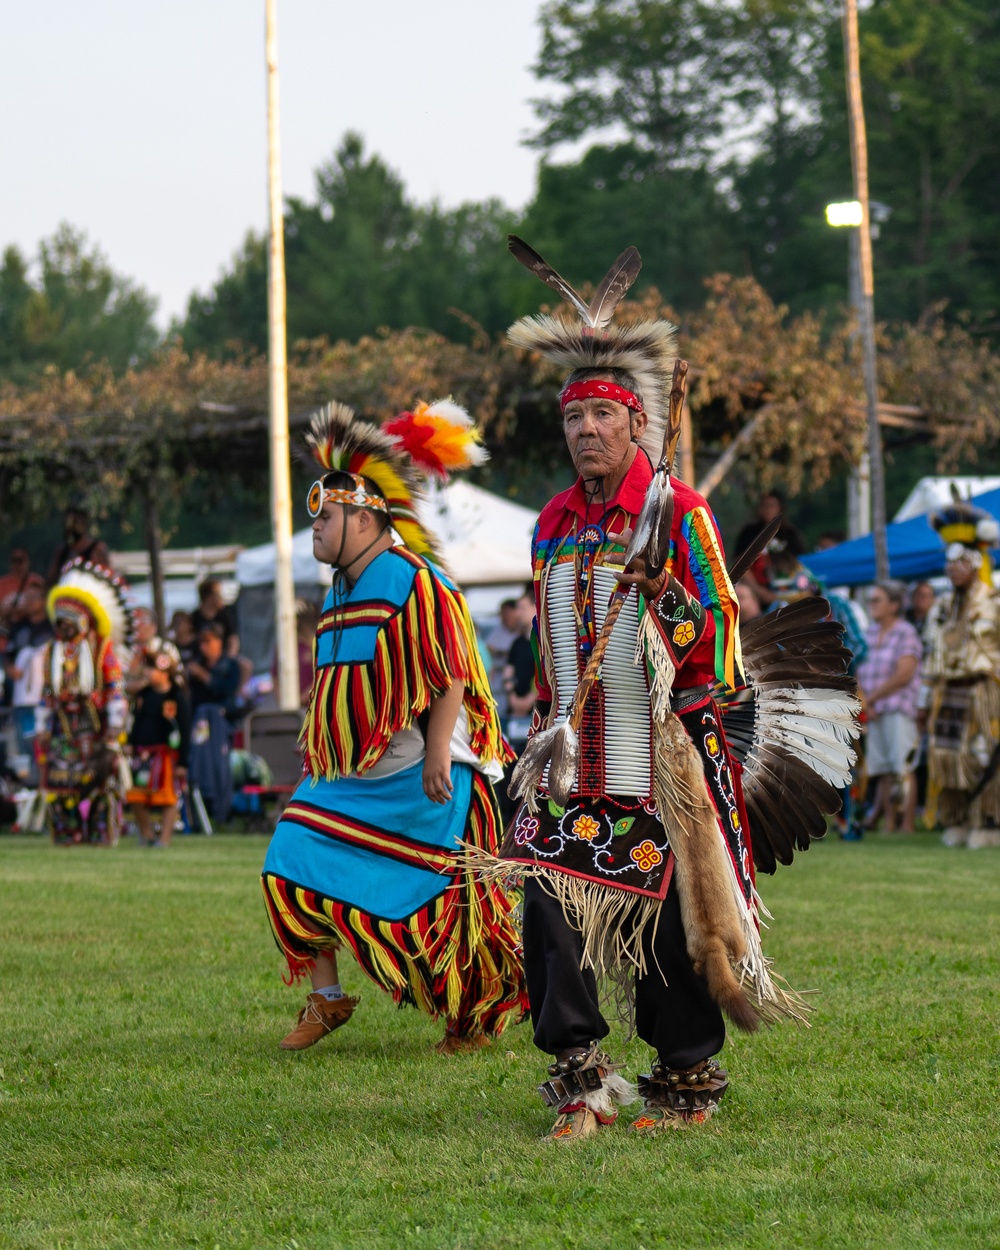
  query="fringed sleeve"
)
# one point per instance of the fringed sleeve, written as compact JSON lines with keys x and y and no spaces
{"x":421,"y":646}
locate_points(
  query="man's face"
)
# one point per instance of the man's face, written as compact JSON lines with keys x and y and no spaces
{"x":328,"y":533}
{"x":145,"y":627}
{"x":76,"y":524}
{"x":961,"y":574}
{"x":508,"y":616}
{"x":923,"y":599}
{"x":34,"y":604}
{"x":20,"y":562}
{"x":599,"y":433}
{"x":340,"y":533}
{"x":770,"y":507}
{"x":880,"y":606}
{"x":66,"y":628}
{"x":212,"y":599}
{"x":525,"y":613}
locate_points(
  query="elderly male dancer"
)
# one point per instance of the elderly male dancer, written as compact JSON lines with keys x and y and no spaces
{"x":642,"y":875}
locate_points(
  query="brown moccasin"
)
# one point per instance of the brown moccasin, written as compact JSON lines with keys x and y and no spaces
{"x":318,"y":1017}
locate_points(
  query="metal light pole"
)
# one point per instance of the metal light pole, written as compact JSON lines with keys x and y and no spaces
{"x":281,"y":478}
{"x":859,"y":503}
{"x":859,"y":167}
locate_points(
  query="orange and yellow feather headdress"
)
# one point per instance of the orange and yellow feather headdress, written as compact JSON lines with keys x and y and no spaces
{"x":433,"y":440}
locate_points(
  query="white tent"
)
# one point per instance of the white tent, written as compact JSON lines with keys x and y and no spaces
{"x":931,"y":493}
{"x":486,"y":542}
{"x":255,"y":565}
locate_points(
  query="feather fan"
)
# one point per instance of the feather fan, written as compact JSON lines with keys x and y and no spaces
{"x":795,"y":733}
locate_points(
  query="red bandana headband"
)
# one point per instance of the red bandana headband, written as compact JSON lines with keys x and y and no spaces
{"x":595,"y":389}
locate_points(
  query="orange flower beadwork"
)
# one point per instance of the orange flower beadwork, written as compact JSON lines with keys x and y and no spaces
{"x":683,"y":634}
{"x":646,"y":856}
{"x":586,"y":827}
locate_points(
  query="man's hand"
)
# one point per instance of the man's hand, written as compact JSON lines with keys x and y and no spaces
{"x":634,"y":574}
{"x":437,"y":777}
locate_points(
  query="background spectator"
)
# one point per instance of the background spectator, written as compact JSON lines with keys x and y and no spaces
{"x":146,"y":640}
{"x":890,"y":687}
{"x":14,"y":585}
{"x":181,"y":634}
{"x":212,"y":610}
{"x":519,"y":688}
{"x":922,"y":599}
{"x":160,"y":741}
{"x":788,"y":541}
{"x":78,"y":541}
{"x":746,"y":594}
{"x":498,"y":644}
{"x":26,"y":673}
{"x":213,"y":678}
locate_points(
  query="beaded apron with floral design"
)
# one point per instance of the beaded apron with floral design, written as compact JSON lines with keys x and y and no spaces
{"x":619,"y":841}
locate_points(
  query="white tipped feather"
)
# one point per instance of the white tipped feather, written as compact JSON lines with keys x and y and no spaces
{"x":817,"y":726}
{"x":449,"y":411}
{"x":564,"y":763}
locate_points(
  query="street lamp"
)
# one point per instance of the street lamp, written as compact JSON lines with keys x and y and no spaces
{"x":844,"y":213}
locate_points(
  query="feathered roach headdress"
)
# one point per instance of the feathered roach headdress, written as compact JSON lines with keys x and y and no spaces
{"x":969,"y":532}
{"x":431,"y":441}
{"x":92,"y":591}
{"x":646,"y":349}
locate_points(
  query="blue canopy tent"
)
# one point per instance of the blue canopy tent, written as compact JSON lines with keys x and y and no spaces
{"x":915,"y":550}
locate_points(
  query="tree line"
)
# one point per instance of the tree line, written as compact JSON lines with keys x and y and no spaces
{"x":730,"y":137}
{"x":727,"y":138}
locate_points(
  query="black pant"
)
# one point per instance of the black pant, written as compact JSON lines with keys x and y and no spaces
{"x":674,"y":1012}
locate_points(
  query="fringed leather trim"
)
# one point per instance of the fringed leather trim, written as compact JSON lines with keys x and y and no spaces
{"x":458,"y":957}
{"x":355,"y":708}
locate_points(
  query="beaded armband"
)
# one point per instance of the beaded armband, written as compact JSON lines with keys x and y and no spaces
{"x":679,"y":617}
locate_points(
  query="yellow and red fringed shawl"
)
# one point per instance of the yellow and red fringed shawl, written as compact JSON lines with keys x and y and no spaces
{"x":399,"y":639}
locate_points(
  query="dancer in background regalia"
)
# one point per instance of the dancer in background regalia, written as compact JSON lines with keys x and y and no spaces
{"x":962,"y":684}
{"x":84,"y":710}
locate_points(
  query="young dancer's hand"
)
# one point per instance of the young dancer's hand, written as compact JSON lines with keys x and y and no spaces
{"x":437,"y":777}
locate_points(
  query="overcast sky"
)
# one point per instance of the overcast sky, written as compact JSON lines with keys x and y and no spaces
{"x":143,"y":121}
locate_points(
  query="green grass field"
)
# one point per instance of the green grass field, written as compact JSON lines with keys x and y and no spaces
{"x":144,"y":1100}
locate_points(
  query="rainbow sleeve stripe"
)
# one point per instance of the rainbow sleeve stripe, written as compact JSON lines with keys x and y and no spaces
{"x":715,"y":591}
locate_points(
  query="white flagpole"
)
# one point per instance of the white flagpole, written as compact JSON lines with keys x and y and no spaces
{"x":281,"y":482}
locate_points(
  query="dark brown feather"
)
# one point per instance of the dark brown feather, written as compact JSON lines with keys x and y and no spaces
{"x":541,"y":268}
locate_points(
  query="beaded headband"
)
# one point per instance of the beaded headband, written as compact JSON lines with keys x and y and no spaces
{"x":319,"y":494}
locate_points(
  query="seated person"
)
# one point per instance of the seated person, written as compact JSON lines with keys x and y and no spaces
{"x":213,"y":678}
